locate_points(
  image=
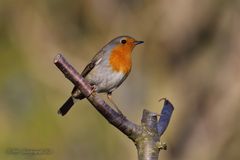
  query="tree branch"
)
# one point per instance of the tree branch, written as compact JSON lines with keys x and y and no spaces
{"x":122,"y":123}
{"x":145,"y":136}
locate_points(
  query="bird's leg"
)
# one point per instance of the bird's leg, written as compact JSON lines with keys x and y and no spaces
{"x":93,"y":90}
{"x":109,"y":95}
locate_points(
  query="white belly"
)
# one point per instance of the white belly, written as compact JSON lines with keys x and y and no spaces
{"x":104,"y":79}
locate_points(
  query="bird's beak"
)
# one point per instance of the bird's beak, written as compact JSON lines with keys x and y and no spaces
{"x":138,"y":42}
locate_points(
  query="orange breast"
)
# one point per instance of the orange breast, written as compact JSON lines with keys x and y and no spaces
{"x":120,"y":59}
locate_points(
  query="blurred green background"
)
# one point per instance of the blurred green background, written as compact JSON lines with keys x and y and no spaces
{"x":190,"y":55}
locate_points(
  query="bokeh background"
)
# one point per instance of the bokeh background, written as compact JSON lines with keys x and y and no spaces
{"x":190,"y":55}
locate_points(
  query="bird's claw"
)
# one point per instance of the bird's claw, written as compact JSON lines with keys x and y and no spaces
{"x":93,"y":90}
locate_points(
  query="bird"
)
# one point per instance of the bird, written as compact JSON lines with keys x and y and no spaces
{"x":106,"y":70}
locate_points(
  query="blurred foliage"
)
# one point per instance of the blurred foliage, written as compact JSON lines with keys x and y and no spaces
{"x":191,"y":56}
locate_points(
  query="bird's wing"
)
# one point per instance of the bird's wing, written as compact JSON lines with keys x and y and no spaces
{"x":95,"y":60}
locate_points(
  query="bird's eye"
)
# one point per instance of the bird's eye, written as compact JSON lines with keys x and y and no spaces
{"x":123,"y":41}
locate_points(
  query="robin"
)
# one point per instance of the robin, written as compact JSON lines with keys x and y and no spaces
{"x":106,"y":71}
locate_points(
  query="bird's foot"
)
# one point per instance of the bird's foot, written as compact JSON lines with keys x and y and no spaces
{"x":114,"y":104}
{"x":118,"y":110}
{"x":93,"y":90}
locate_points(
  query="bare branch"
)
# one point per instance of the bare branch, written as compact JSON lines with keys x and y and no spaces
{"x":121,"y":122}
{"x":145,"y":136}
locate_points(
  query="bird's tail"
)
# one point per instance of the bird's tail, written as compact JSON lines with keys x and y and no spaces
{"x":66,"y":106}
{"x":70,"y":102}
